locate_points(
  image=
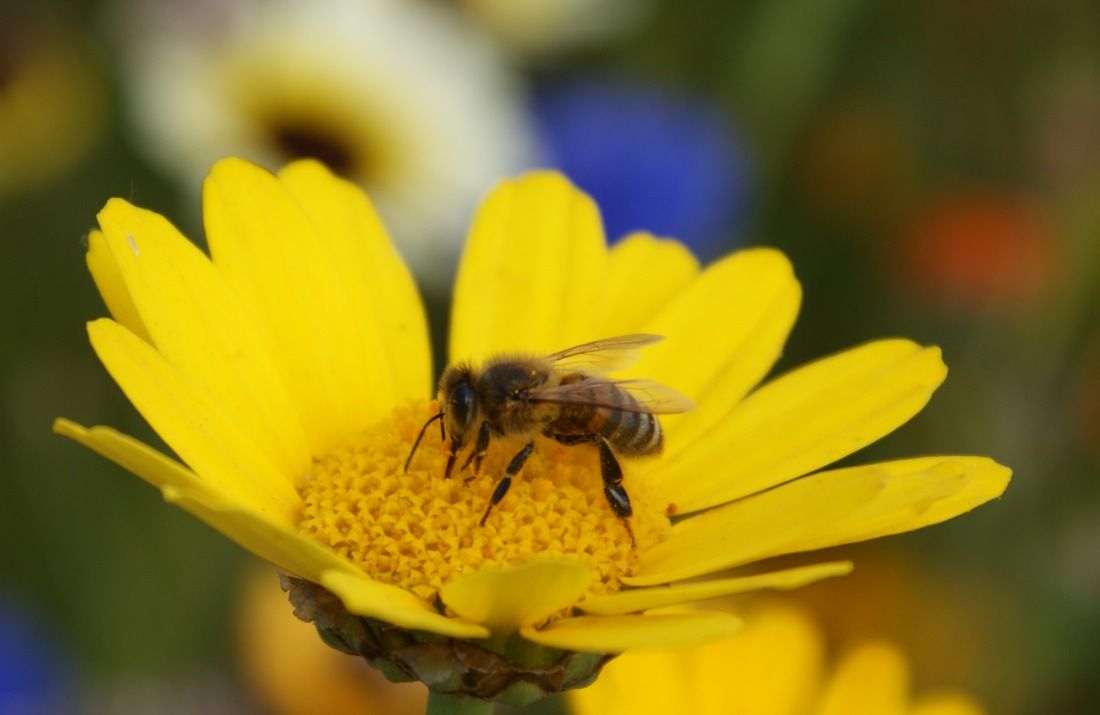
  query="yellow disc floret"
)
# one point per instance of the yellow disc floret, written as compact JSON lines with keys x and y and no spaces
{"x":419,"y":531}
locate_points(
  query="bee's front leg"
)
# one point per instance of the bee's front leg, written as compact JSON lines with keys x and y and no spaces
{"x":481,"y":447}
{"x":506,"y":481}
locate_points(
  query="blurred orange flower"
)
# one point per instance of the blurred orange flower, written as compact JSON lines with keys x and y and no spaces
{"x":979,"y":250}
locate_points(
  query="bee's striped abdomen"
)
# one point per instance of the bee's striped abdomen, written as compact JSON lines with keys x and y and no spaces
{"x":613,"y":414}
{"x":629,"y":431}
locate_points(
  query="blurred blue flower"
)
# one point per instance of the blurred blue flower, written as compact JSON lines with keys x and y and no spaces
{"x":33,"y":680}
{"x":652,"y":160}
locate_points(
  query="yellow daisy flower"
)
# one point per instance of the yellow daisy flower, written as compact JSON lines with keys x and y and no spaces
{"x":776,"y":666}
{"x":290,"y":373}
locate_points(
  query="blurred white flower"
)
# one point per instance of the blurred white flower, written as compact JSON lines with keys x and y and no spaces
{"x":400,"y":97}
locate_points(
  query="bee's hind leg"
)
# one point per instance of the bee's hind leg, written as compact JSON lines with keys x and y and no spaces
{"x":613,"y":488}
{"x":612,"y":473}
{"x":506,"y":481}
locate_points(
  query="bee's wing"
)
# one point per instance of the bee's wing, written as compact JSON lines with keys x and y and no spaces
{"x":607,"y":355}
{"x":651,"y":397}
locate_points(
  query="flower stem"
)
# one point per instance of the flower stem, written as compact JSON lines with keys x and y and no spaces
{"x":441,"y":704}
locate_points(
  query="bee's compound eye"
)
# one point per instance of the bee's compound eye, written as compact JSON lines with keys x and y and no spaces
{"x":462,"y":406}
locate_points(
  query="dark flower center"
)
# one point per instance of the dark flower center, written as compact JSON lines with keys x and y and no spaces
{"x":305,"y":140}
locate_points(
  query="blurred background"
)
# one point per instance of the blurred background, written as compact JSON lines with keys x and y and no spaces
{"x":932,"y":169}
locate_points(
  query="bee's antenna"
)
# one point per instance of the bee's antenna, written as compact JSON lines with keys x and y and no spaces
{"x":442,"y":433}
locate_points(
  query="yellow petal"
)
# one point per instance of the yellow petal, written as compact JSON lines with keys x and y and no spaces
{"x":772,"y":667}
{"x":130,"y":454}
{"x":362,"y":596}
{"x":724,"y":331}
{"x":984,"y":481}
{"x":267,"y":535}
{"x":532,"y":270}
{"x":803,"y":421}
{"x":643,"y":274}
{"x":614,"y":634}
{"x":192,"y":422}
{"x":277,"y":544}
{"x":872,"y":680}
{"x":917,"y":493}
{"x":947,"y":703}
{"x":315,"y":270}
{"x":377,"y":326}
{"x":111,"y":286}
{"x":826,"y":509}
{"x":642,"y":599}
{"x":751,"y":529}
{"x":199,"y":326}
{"x":271,"y":540}
{"x":507,"y":598}
{"x":313,"y":265}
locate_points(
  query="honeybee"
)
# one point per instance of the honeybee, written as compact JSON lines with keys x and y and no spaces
{"x":563,"y":396}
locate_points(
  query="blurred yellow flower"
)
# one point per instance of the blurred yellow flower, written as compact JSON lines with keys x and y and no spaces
{"x":291,"y":671}
{"x":540,"y":27}
{"x":776,"y":666}
{"x":401,"y":98}
{"x":908,"y":592}
{"x":291,"y":370}
{"x":52,"y":103}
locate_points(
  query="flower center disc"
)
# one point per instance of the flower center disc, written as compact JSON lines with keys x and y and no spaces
{"x":419,"y":531}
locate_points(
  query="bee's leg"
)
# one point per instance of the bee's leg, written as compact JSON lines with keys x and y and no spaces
{"x":613,"y":488}
{"x":479,"y":451}
{"x":506,"y":481}
{"x":451,"y":456}
{"x":612,"y":474}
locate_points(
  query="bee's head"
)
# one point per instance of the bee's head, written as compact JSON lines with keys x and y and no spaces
{"x":458,"y":402}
